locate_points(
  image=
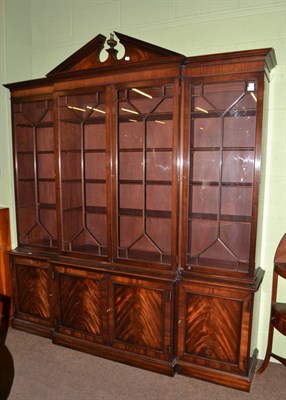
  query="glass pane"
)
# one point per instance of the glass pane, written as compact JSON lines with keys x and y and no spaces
{"x":70,"y":165}
{"x":204,"y":200}
{"x":206,"y":166}
{"x":159,"y":230}
{"x":238,"y":166}
{"x":27,"y":193}
{"x":131,"y":196}
{"x":207,"y":132}
{"x":223,"y":96}
{"x":160,"y":133}
{"x":236,"y":201}
{"x":145,"y":142}
{"x":158,"y":197}
{"x":202,"y":233}
{"x":127,"y":138}
{"x":70,"y":136}
{"x":95,"y":195}
{"x":46,"y":166}
{"x":45,"y":139}
{"x":130,"y":166}
{"x":47,"y":192}
{"x":71,"y":195}
{"x":35,"y":111}
{"x":25,"y":165}
{"x":95,"y":166}
{"x":24,"y":138}
{"x":159,"y":166}
{"x":239,"y":131}
{"x":94,"y":136}
{"x":236,"y":236}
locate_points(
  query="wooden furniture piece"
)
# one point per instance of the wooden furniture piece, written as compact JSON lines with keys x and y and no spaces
{"x":137,"y":185}
{"x":5,"y":275}
{"x":278,"y":309}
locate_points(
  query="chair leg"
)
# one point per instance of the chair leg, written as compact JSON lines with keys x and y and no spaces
{"x":268,"y":351}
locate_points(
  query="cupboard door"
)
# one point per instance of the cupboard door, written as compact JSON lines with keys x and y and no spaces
{"x":35,"y":173}
{"x":213,"y":327}
{"x":84,"y":171}
{"x":223,"y":152}
{"x":32,"y":284}
{"x":80,"y":301}
{"x":141,"y":316}
{"x":146,"y":143}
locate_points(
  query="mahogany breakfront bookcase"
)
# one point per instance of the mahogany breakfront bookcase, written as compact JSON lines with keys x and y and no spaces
{"x":137,"y":183}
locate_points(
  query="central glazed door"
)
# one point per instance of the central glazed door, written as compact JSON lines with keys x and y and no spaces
{"x":145,"y":187}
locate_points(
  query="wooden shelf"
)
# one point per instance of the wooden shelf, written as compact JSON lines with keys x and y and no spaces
{"x":84,"y":120}
{"x":148,"y":213}
{"x":88,"y":209}
{"x":141,"y":182}
{"x":147,"y":149}
{"x":223,"y":184}
{"x":221,"y":217}
{"x":87,"y":249}
{"x":83,"y":151}
{"x":150,"y":117}
{"x":131,"y":254}
{"x":217,"y":148}
{"x":36,"y":125}
{"x":44,"y":206}
{"x":222,"y":114}
{"x":85,"y":181}
{"x":199,"y":262}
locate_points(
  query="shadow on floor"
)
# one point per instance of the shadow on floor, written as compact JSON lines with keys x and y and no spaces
{"x":6,"y":360}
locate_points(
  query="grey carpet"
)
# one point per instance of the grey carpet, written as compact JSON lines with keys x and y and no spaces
{"x":44,"y":371}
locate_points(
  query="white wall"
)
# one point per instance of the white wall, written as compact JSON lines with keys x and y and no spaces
{"x":42,"y":33}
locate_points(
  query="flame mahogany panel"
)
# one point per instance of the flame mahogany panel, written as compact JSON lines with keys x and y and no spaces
{"x":213,"y":326}
{"x":33,"y":290}
{"x":141,"y":316}
{"x":80,"y":305}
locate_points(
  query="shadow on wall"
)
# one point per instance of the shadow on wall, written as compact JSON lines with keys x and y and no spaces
{"x":6,"y":360}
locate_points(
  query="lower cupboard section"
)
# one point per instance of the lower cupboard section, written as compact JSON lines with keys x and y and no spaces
{"x":214,"y":326}
{"x":123,"y":318}
{"x":197,"y":329}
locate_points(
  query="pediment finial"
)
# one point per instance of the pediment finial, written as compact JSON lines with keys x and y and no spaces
{"x":112,"y":43}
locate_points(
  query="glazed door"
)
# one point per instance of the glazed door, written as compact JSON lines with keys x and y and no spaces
{"x":84,"y":150}
{"x":35,"y":173}
{"x":222,"y":146}
{"x":145,"y":183}
{"x":81,"y":304}
{"x":141,"y":317}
